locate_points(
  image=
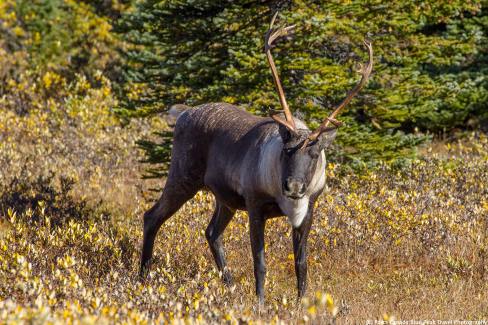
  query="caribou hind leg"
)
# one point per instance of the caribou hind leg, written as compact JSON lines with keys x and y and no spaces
{"x":220,"y":219}
{"x":175,"y":194}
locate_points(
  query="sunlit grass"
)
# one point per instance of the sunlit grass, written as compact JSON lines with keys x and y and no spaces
{"x":406,"y":243}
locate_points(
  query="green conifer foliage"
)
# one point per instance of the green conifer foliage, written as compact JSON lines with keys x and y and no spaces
{"x":429,"y":74}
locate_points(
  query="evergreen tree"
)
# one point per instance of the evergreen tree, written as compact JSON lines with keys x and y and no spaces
{"x":429,"y":74}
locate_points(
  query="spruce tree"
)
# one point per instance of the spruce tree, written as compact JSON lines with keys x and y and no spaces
{"x":429,"y":74}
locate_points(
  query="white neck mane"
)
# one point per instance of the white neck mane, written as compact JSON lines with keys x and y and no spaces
{"x":269,"y":179}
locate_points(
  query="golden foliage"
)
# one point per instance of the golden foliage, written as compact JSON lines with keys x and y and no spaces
{"x":379,"y":240}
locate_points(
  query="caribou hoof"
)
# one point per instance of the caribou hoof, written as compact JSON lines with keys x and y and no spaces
{"x":144,"y":272}
{"x":227,"y":278}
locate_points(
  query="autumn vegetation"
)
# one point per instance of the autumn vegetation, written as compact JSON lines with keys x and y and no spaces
{"x":402,"y":235}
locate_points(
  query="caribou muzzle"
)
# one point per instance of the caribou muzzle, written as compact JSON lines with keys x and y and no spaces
{"x":294,"y":188}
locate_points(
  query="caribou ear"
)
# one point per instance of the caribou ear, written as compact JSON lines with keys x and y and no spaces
{"x":326,"y":138}
{"x":284,"y":133}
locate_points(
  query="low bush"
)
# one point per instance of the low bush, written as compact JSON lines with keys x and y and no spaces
{"x":405,"y":242}
{"x":41,"y":197}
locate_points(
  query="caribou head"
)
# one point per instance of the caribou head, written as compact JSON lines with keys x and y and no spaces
{"x":302,"y":147}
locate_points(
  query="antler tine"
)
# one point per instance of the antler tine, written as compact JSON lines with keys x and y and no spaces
{"x":270,"y":37}
{"x":365,"y":72}
{"x":273,"y":20}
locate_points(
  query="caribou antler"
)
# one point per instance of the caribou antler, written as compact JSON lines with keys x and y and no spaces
{"x":271,"y":36}
{"x":365,"y":71}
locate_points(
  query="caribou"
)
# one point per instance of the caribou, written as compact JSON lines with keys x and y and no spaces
{"x":268,"y":166}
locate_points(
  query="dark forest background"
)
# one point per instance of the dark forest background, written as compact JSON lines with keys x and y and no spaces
{"x":429,"y":76}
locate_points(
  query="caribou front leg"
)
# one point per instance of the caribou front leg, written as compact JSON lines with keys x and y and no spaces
{"x":257,"y":224}
{"x":300,"y":236}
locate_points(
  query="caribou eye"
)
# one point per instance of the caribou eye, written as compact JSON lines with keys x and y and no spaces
{"x":289,"y":151}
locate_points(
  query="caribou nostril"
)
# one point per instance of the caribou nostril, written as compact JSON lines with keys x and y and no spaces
{"x":287,"y":186}
{"x":302,"y":189}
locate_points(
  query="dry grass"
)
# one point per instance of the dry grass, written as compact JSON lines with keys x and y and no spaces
{"x":411,"y":243}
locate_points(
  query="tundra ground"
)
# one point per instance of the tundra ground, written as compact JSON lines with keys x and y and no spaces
{"x":390,"y":243}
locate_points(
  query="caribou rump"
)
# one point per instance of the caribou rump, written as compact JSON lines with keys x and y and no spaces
{"x":268,"y":166}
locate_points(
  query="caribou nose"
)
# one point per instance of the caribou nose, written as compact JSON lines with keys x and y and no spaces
{"x":294,"y":187}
